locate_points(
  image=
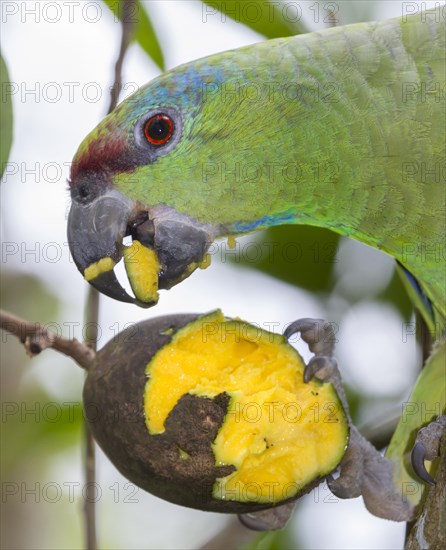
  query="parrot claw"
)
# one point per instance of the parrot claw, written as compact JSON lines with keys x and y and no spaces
{"x":252,"y":522}
{"x":272,"y":519}
{"x":320,"y":337}
{"x":322,"y":367}
{"x":427,"y":447}
{"x":417,"y":457}
{"x":317,"y":333}
{"x":363,"y":471}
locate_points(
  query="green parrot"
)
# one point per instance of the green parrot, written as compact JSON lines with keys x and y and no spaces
{"x":343,"y":129}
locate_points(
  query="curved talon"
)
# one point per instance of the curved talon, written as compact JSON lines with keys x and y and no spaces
{"x":417,"y":458}
{"x":319,"y":364}
{"x":252,"y":522}
{"x":302,"y":325}
{"x":317,"y":333}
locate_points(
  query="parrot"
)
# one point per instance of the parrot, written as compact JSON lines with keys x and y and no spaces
{"x":344,"y":128}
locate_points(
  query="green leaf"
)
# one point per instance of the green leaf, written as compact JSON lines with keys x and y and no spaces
{"x":5,"y":117}
{"x":25,"y":294}
{"x":144,"y":33}
{"x":396,"y":294}
{"x":49,"y":426}
{"x":298,"y":254}
{"x":273,"y":19}
{"x":305,"y":256}
{"x":33,"y":420}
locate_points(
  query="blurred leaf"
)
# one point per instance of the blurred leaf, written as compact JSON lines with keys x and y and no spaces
{"x":270,"y":18}
{"x":355,"y":401}
{"x":305,"y":256}
{"x":298,"y":254}
{"x":5,"y":117}
{"x":34,"y":421}
{"x":144,"y":34}
{"x":25,"y":295}
{"x":396,"y":294}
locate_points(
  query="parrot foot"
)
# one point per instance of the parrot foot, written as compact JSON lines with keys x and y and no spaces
{"x":362,"y":470}
{"x":322,"y":367}
{"x":320,"y":337}
{"x":272,"y":519}
{"x":427,"y":447}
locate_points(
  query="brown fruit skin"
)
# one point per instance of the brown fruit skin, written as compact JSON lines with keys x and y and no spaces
{"x":114,"y":408}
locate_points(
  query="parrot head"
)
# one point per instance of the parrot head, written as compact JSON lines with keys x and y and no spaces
{"x":123,"y":180}
{"x":184,"y":160}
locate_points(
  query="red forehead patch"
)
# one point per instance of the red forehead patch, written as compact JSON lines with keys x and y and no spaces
{"x":103,"y":153}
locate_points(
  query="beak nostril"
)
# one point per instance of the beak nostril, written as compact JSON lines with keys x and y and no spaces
{"x":83,"y":192}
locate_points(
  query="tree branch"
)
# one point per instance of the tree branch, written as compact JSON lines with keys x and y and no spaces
{"x":92,"y":303}
{"x":35,"y":337}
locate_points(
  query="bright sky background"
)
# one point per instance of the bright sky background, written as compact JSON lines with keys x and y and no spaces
{"x":69,"y":65}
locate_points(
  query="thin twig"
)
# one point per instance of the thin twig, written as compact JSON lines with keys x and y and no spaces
{"x":91,"y":319}
{"x":35,"y":337}
{"x":331,"y":19}
{"x":92,"y":303}
{"x":128,"y":27}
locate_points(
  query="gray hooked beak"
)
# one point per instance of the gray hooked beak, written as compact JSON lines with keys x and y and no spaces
{"x":170,"y":245}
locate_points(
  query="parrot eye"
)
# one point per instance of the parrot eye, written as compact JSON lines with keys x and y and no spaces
{"x":158,"y":129}
{"x":157,"y":132}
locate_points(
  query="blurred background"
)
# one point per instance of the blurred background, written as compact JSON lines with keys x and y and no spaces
{"x":60,"y":58}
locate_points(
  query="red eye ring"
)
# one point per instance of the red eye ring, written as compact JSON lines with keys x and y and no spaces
{"x":158,"y":129}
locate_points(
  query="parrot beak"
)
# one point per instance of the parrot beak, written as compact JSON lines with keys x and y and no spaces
{"x":167,"y":246}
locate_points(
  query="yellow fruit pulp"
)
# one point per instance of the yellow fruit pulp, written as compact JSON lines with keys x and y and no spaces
{"x":142,"y":266}
{"x":279,"y":432}
{"x":99,"y":267}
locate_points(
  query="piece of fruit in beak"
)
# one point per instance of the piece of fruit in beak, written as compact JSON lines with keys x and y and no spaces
{"x":143,"y":267}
